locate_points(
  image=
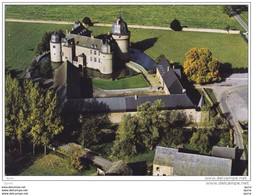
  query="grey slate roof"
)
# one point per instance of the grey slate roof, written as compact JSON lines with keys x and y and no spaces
{"x":118,"y":168}
{"x":224,"y":152}
{"x":199,"y":165}
{"x":165,"y":156}
{"x":128,"y":103}
{"x":185,"y":164}
{"x":67,"y":81}
{"x":169,"y":77}
{"x":81,"y":30}
{"x":85,"y":41}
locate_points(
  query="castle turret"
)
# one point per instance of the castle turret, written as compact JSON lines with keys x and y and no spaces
{"x":121,"y":35}
{"x":55,"y":48}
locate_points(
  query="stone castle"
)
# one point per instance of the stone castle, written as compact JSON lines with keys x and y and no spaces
{"x":83,"y":50}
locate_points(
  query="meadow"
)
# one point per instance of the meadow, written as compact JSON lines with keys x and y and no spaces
{"x":54,"y":165}
{"x":21,"y":40}
{"x":192,"y":16}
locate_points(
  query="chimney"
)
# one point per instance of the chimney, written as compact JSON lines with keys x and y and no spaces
{"x":168,"y":68}
{"x":184,"y":90}
{"x":92,"y":36}
{"x":173,"y":66}
{"x":135,"y":97}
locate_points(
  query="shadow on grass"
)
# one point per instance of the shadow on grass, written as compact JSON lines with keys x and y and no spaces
{"x":145,"y":44}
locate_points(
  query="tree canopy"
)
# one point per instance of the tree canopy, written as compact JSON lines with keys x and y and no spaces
{"x":147,"y":129}
{"x":200,"y":67}
{"x":30,"y":113}
{"x":44,"y":45}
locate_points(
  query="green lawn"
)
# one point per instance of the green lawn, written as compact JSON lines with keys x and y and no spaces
{"x":244,"y":16}
{"x":137,"y":81}
{"x":53,"y":165}
{"x":213,"y":98}
{"x":192,"y":16}
{"x":21,"y":40}
{"x":226,"y":48}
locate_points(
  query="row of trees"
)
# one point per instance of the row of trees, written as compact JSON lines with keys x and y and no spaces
{"x":146,"y":129}
{"x":31,"y":114}
{"x":230,"y":9}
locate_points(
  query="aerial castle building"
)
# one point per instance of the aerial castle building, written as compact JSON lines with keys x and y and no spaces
{"x":83,"y":50}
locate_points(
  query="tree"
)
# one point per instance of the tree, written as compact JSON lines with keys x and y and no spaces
{"x":34,"y":101}
{"x":87,"y":21}
{"x":151,"y":123}
{"x":126,"y":143}
{"x":52,"y":124}
{"x":91,"y":129}
{"x":46,"y":69}
{"x":201,"y":139}
{"x":13,"y":101}
{"x":175,"y":25}
{"x":227,"y":9}
{"x":200,"y":67}
{"x":44,"y":45}
{"x":230,"y":9}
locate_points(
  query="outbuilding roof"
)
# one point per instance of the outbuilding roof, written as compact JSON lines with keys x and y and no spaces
{"x":224,"y":152}
{"x":186,"y":164}
{"x":169,"y":77}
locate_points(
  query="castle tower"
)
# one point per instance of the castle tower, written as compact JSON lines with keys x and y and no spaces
{"x":55,"y":48}
{"x":121,"y":35}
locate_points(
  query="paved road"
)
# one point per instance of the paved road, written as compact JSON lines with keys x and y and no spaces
{"x":233,"y":97}
{"x":241,"y":22}
{"x":130,"y":26}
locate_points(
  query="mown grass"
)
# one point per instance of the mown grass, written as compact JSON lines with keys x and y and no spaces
{"x":53,"y":165}
{"x":226,"y":48}
{"x":21,"y":40}
{"x":213,"y":98}
{"x":244,"y":16}
{"x":192,"y":16}
{"x":137,"y":81}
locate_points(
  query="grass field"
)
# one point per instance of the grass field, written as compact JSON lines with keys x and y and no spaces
{"x":192,"y":16}
{"x":244,"y":16}
{"x":137,"y":81}
{"x":21,"y":40}
{"x":225,"y":47}
{"x":53,"y":165}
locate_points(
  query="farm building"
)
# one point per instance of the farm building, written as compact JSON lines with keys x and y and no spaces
{"x":173,"y":162}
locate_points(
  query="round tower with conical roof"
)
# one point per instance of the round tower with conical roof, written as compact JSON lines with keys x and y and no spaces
{"x":121,"y":35}
{"x":55,"y":48}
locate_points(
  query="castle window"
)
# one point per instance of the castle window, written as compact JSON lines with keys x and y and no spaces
{"x":95,"y":59}
{"x":90,"y":58}
{"x":90,"y":51}
{"x":53,"y":46}
{"x":98,"y":60}
{"x":99,"y":53}
{"x":95,"y":52}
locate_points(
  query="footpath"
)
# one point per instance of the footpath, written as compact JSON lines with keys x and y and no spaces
{"x":130,"y":26}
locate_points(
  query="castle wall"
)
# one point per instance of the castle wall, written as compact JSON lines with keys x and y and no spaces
{"x":123,"y":45}
{"x":55,"y":52}
{"x":106,"y":63}
{"x":96,"y":60}
{"x":67,"y":53}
